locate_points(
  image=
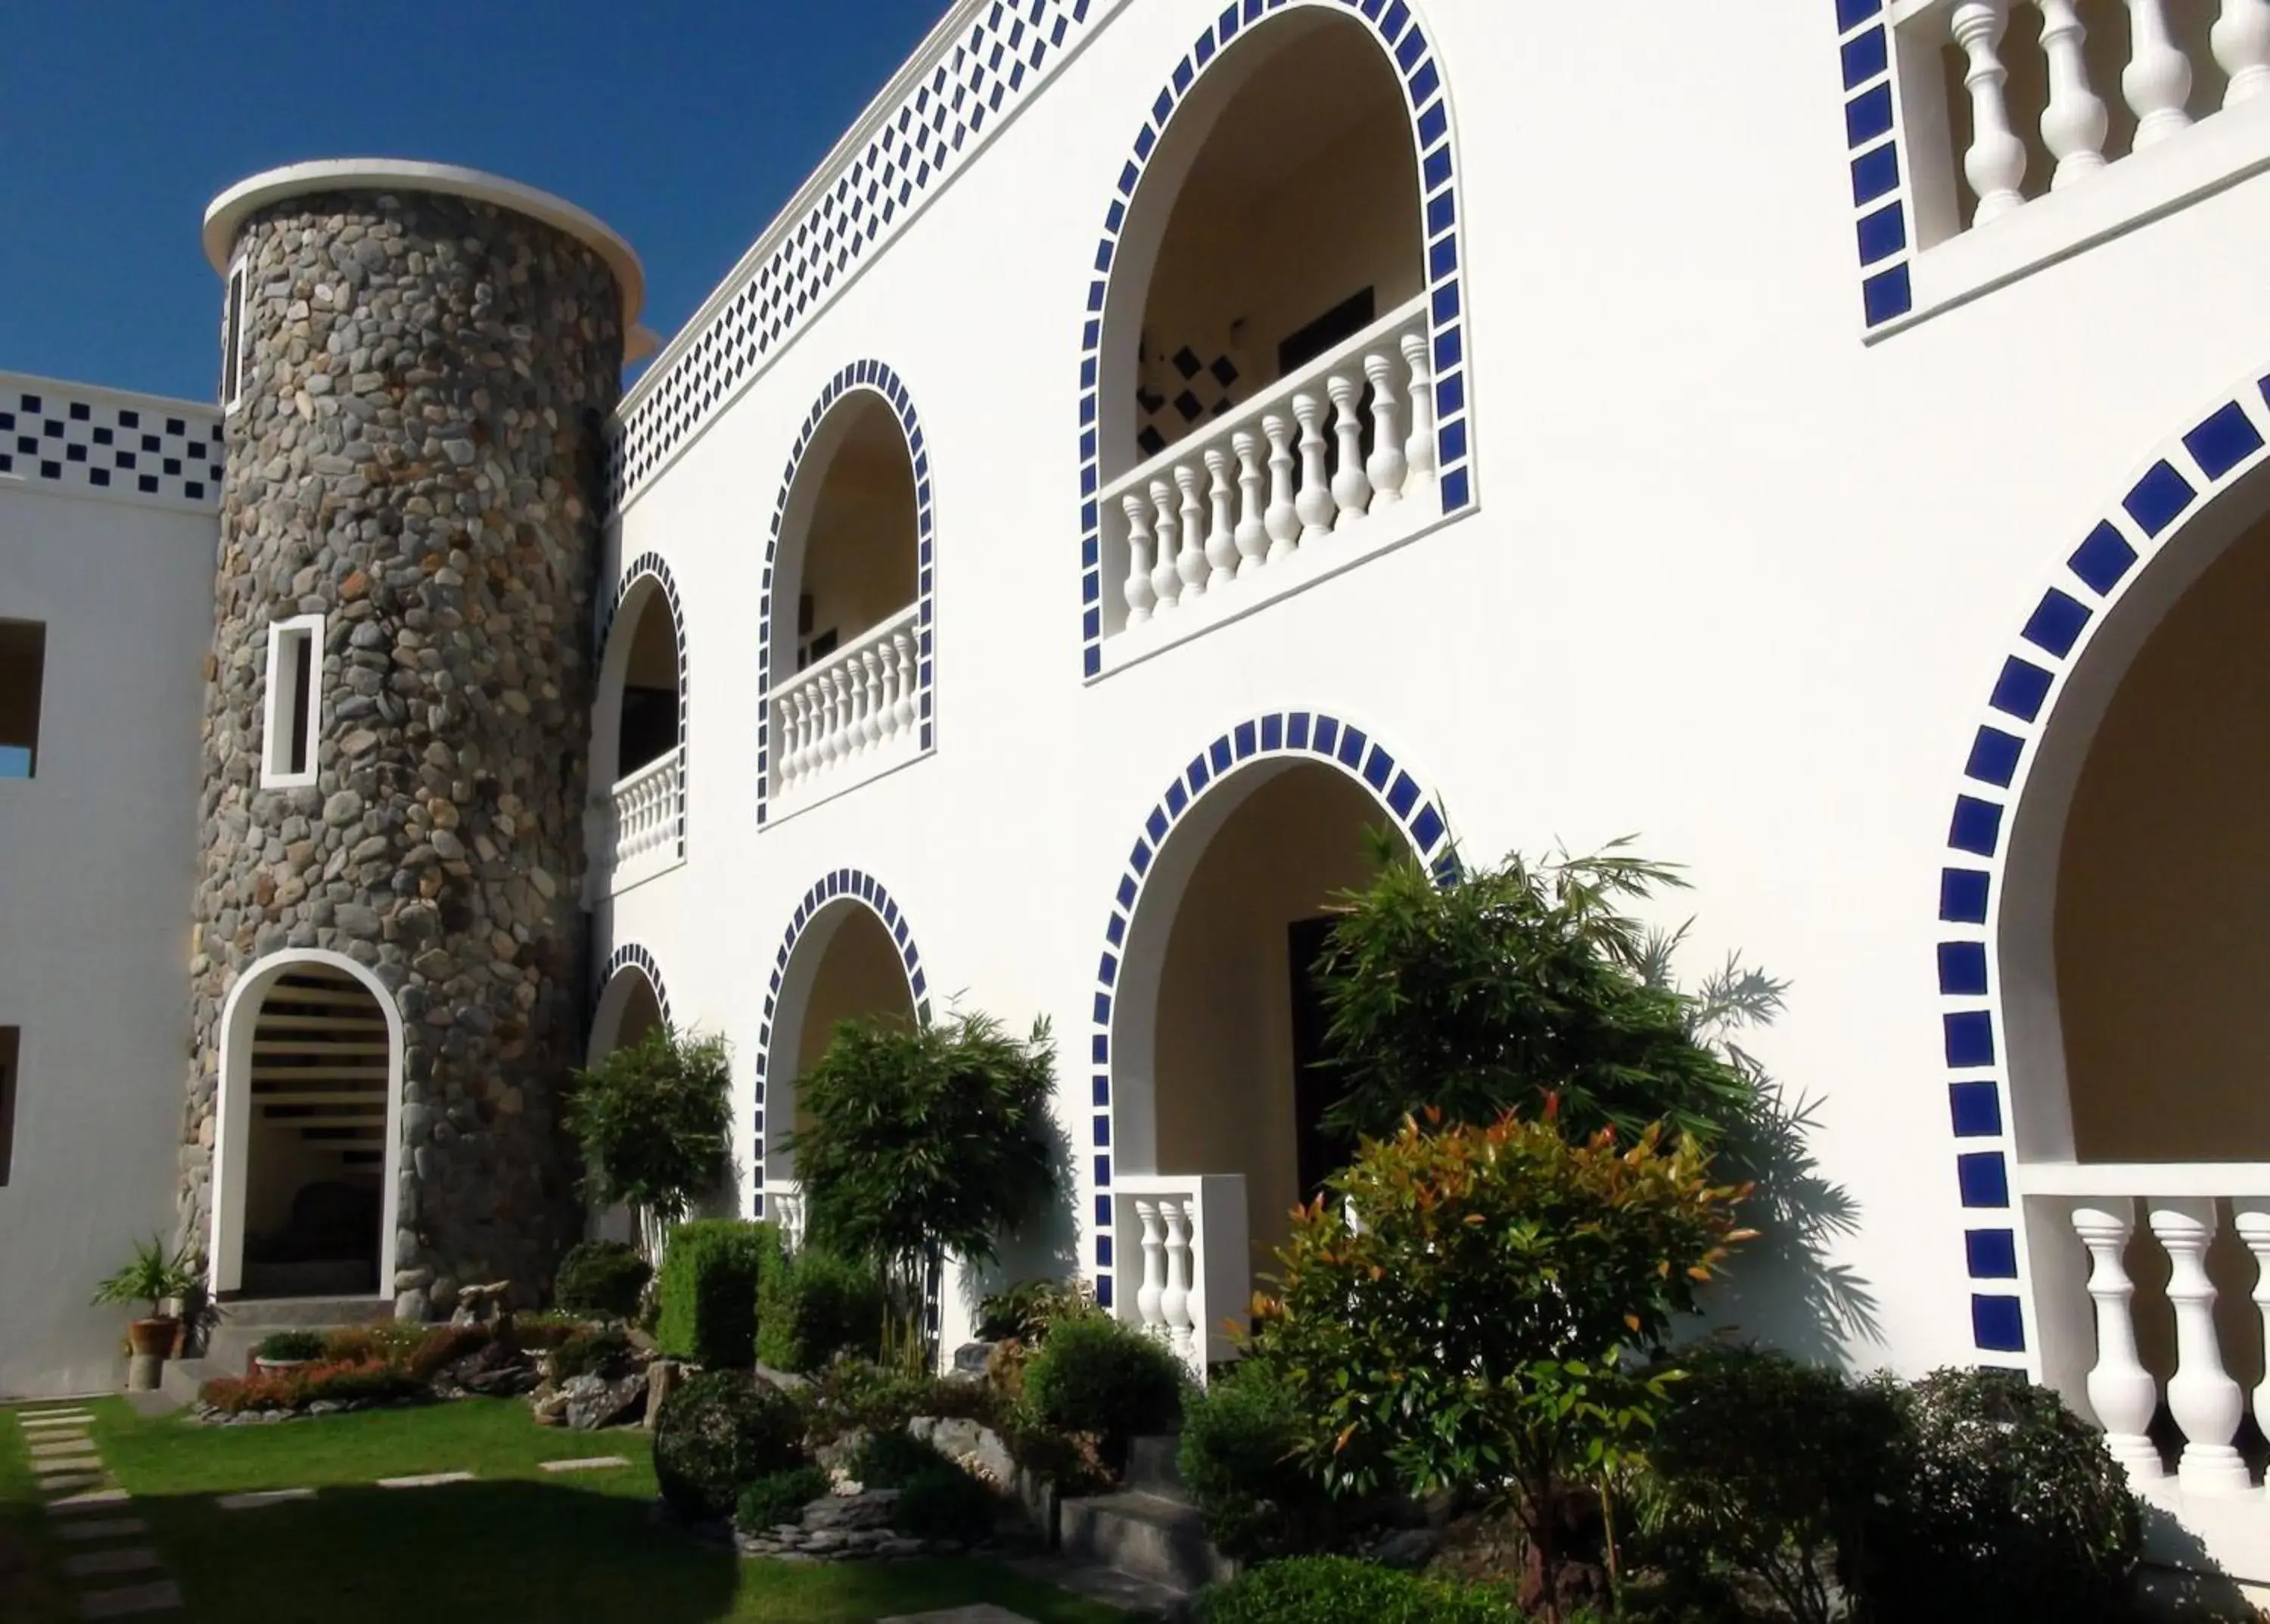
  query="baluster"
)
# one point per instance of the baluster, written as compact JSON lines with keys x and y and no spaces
{"x":839,"y":716}
{"x":1315,"y":503}
{"x":1388,"y":467}
{"x":1351,"y":485}
{"x":855,"y":707}
{"x":1166,"y":574}
{"x":1419,"y":450}
{"x":1282,"y":519}
{"x":2157,"y":81}
{"x":876,"y":703}
{"x":2205,"y":1401}
{"x":1138,"y":588}
{"x":887,"y":689}
{"x":2074,"y":123}
{"x":2252,"y":1220}
{"x":1251,"y":535}
{"x":2121,"y":1391}
{"x":1190,"y":562}
{"x":2241,"y":40}
{"x":1148,"y":1295}
{"x":904,"y":645}
{"x":1996,"y":162}
{"x":1175,"y":1303}
{"x":784,"y":740}
{"x":1222,"y":545}
{"x":807,"y":730}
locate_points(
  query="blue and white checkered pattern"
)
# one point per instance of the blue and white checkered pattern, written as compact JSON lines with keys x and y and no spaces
{"x":875,"y":378}
{"x":847,"y":886}
{"x":1406,"y":43}
{"x":650,"y":566}
{"x":1883,"y":215}
{"x":1279,"y":736}
{"x":2184,"y":475}
{"x":631,"y":956}
{"x":57,"y":437}
{"x":911,"y":153}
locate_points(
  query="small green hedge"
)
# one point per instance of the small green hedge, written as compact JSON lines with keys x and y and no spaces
{"x":1097,"y":1375}
{"x":1241,"y":1457}
{"x":815,"y":1305}
{"x":603,"y":1352}
{"x":779,"y":1497}
{"x":719,"y":1434}
{"x":1334,"y":1589}
{"x":604,"y":1278}
{"x":710,"y":1272}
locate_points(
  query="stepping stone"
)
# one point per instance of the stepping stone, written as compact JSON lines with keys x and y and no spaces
{"x":69,"y":1482}
{"x":429,"y":1480}
{"x":57,"y":1418}
{"x":89,"y":1528}
{"x":259,"y":1497}
{"x":598,"y":1463}
{"x":125,"y":1559}
{"x":81,"y":1458}
{"x":88,"y":1502}
{"x":61,"y":1446}
{"x":158,"y":1596}
{"x":984,"y":1613}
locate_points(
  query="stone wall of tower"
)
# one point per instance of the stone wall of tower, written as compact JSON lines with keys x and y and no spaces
{"x":416,"y":458}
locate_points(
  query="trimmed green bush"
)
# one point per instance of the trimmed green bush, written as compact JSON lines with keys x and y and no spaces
{"x":779,"y":1497}
{"x":815,"y":1305}
{"x":892,"y":1460}
{"x":602,"y":1351}
{"x":1025,"y":1311}
{"x":290,"y":1345}
{"x":717,"y":1435}
{"x":1095,"y":1375}
{"x":1242,"y":1459}
{"x":945,"y":1502}
{"x":710,"y":1272}
{"x":1334,"y":1589}
{"x":605,"y":1277}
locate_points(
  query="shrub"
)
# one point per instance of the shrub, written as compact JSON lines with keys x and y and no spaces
{"x":1242,"y":1460}
{"x":815,"y":1305}
{"x":710,"y":1279}
{"x":857,"y":1395}
{"x":1095,"y":1375}
{"x":547,"y":1328}
{"x":892,"y":1460}
{"x":601,"y":1352}
{"x":719,"y":1432}
{"x":1768,"y":1467}
{"x":2005,"y":1505}
{"x":290,"y":1345}
{"x":389,"y":1342}
{"x":303,"y":1385}
{"x":779,"y":1497}
{"x":1333,"y":1590}
{"x":653,"y":1119}
{"x":945,"y":1502}
{"x":438,"y":1346}
{"x":602,"y":1277}
{"x":1026,"y":1311}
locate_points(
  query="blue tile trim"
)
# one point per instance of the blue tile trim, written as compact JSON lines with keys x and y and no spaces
{"x":2178,"y":482}
{"x":1279,"y":735}
{"x":1883,"y":210}
{"x":1412,"y":55}
{"x":651,"y":567}
{"x":850,"y":887}
{"x":631,"y":956}
{"x":871,"y":377}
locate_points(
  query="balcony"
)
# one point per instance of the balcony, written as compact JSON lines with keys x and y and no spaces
{"x":1193,"y":1284}
{"x":2035,"y":128}
{"x":849,"y":716}
{"x":642,"y":823}
{"x":1331,"y":464}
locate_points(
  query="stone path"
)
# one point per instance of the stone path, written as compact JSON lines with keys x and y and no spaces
{"x":111,"y":1575}
{"x":984,"y":1613}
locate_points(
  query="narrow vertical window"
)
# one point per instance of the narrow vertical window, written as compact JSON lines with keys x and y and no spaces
{"x":23,"y":662}
{"x":232,"y":359}
{"x":294,"y":707}
{"x":11,"y":1040}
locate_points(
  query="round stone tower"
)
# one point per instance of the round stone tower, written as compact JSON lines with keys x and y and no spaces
{"x":419,"y":362}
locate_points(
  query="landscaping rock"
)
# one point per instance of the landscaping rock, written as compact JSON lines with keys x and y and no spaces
{"x":593,"y":1402}
{"x":972,"y":1445}
{"x":972,"y":1358}
{"x":1409,"y":1547}
{"x":662,"y":1379}
{"x":840,"y":1513}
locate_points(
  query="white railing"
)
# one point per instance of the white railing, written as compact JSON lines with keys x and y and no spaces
{"x":848,"y":715}
{"x":785,"y":1207}
{"x":1267,"y":483}
{"x":2067,"y":141}
{"x":1193,"y":1284}
{"x":644,"y":818}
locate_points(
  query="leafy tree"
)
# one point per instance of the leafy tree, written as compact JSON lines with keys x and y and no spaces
{"x":654,"y":1120}
{"x":1509,"y":985}
{"x":922,"y":1143}
{"x":1471,"y":1306}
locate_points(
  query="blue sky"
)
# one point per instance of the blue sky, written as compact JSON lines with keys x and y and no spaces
{"x":685,"y":126}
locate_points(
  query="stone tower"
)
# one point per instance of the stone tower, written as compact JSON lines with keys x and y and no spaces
{"x":423,"y":360}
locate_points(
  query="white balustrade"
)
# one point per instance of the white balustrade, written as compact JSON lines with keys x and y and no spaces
{"x":1996,"y":162}
{"x":849,"y":715}
{"x":2122,"y":1392}
{"x":642,"y":820}
{"x":784,"y":1208}
{"x":1188,"y":1267}
{"x":1287,"y":472}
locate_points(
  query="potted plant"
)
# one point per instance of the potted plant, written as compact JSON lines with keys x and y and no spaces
{"x":287,"y":1350}
{"x":154,"y":1276}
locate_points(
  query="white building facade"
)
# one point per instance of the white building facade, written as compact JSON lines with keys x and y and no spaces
{"x":1168,"y":440}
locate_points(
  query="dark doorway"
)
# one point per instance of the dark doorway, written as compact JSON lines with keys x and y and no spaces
{"x":1318,"y":1085}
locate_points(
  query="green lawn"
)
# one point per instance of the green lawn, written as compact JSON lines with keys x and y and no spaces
{"x":516,"y":1544}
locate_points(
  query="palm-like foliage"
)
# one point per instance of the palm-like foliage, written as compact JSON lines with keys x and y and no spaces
{"x":653,"y":1119}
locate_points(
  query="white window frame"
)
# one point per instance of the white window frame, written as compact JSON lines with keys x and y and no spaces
{"x":232,"y":360}
{"x":275,"y":760}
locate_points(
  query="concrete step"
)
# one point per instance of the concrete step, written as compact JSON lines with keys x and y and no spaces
{"x":1153,"y":1468}
{"x":1157,"y":1540}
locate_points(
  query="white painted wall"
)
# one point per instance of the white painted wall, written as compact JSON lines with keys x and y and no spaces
{"x":97,"y":862}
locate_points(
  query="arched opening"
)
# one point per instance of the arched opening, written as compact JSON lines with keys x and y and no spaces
{"x":311,"y":1057}
{"x":638,"y":727}
{"x":629,"y":1008}
{"x":843,"y":644}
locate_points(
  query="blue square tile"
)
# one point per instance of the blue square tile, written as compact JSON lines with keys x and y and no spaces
{"x":2057,"y":623}
{"x":1970,"y":1038}
{"x":1427,"y":830}
{"x":1976,"y":827}
{"x":1863,"y":56}
{"x":1102,"y":1291}
{"x":1883,"y":234}
{"x":2104,"y":558}
{"x":1101,"y":1090}
{"x":1963,"y":895}
{"x":1997,"y":1324}
{"x":1994,"y":756}
{"x":1887,"y":294}
{"x":1962,"y":968}
{"x":1983,"y":1178}
{"x":2157,"y":498}
{"x":1868,"y":116}
{"x":1992,"y":1254}
{"x":2020,"y":689}
{"x":1975,"y":1109}
{"x":1874,"y":173}
{"x":2223,"y":441}
{"x":1851,"y":13}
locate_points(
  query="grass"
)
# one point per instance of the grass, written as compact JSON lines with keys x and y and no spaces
{"x":31,"y":1578}
{"x":516,"y":1544}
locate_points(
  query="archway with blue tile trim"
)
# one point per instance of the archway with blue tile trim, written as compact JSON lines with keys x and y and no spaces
{"x":644,"y":583}
{"x":1175,"y":838}
{"x":630,"y":991}
{"x":817,"y":441}
{"x":831,"y":902}
{"x":1111,"y":330}
{"x":1997,"y":955}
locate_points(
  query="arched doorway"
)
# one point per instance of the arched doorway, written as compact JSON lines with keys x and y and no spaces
{"x":848,"y":586}
{"x":311,"y":1057}
{"x":638,"y":742}
{"x":632,"y":1003}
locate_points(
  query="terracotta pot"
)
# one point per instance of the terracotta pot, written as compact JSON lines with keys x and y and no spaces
{"x":153,"y":1337}
{"x":270,"y":1367}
